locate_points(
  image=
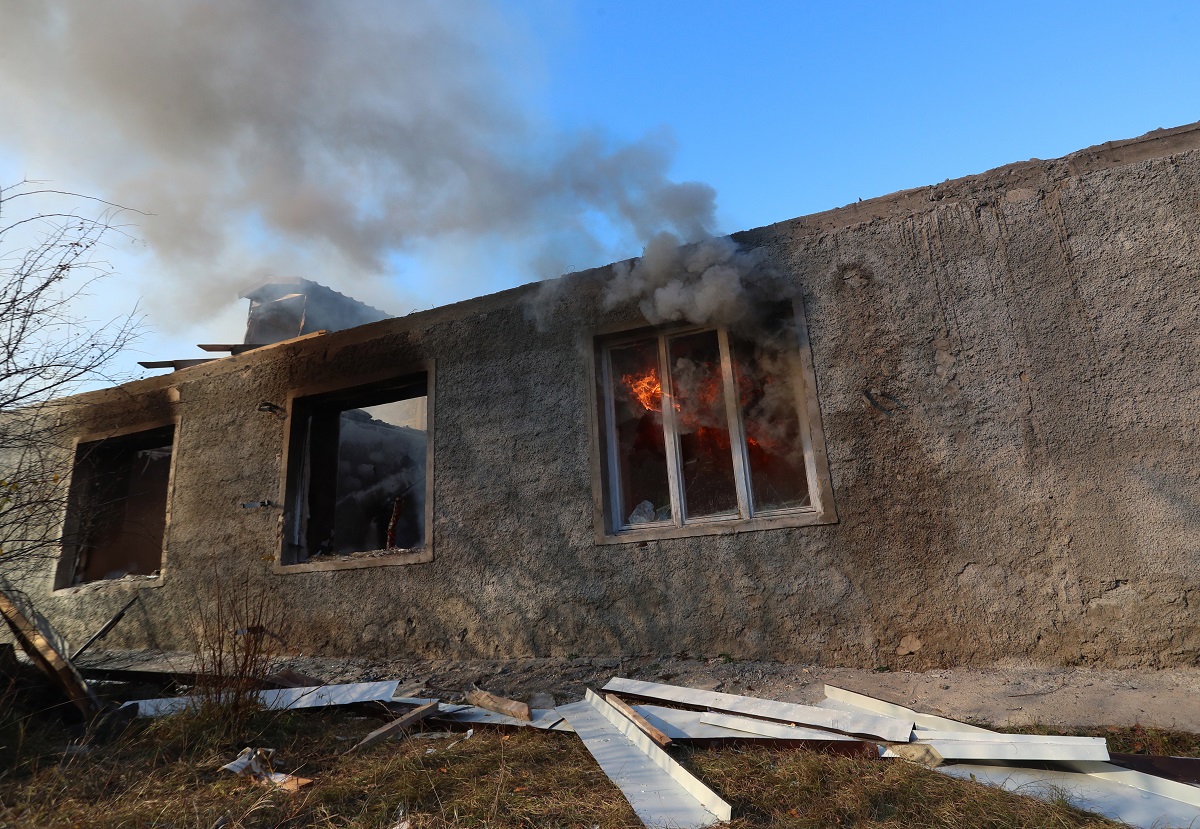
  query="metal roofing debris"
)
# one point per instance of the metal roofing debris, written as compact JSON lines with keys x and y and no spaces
{"x":656,"y":795}
{"x":1084,"y":791}
{"x":546,"y":719}
{"x":766,"y":728}
{"x":280,"y":699}
{"x":1017,"y":750}
{"x":1146,"y":800}
{"x":885,"y":728}
{"x":842,"y":700}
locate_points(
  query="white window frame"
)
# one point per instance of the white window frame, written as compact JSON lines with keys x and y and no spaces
{"x":610,"y":513}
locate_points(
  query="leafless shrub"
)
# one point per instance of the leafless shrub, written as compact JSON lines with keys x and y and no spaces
{"x":240,"y":635}
{"x":49,"y":264}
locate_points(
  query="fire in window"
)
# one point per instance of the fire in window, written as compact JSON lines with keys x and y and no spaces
{"x":357,"y":471}
{"x":700,"y":426}
{"x":117,"y":508}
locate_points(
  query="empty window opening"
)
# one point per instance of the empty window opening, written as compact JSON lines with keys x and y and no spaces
{"x":357,"y":478}
{"x":117,"y":507}
{"x":703,"y":426}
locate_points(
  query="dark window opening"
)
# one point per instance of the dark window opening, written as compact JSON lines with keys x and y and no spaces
{"x":117,"y":508}
{"x":357,"y":471}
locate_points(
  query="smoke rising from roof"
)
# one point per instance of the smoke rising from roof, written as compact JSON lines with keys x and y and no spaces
{"x":318,"y":139}
{"x":714,"y":282}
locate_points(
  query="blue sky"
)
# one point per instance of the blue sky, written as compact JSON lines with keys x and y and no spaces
{"x":783,"y":108}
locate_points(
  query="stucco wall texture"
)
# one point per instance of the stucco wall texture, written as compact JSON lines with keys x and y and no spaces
{"x":1007,"y":370}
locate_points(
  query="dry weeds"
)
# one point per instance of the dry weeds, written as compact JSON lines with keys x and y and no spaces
{"x":166,"y":774}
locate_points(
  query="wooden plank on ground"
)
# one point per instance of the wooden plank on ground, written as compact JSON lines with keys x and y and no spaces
{"x":45,"y":647}
{"x":660,"y":739}
{"x":509,"y":707}
{"x":885,"y":728}
{"x":395,"y":726}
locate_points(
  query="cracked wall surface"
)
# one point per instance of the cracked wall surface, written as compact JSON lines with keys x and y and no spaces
{"x":1007,"y":370}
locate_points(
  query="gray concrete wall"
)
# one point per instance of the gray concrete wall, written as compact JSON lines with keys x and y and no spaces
{"x":1008,"y":370}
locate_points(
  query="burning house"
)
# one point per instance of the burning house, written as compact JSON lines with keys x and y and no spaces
{"x":952,"y":425}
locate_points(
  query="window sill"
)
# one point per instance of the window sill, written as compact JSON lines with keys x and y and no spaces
{"x":126,"y":582}
{"x":800,"y":518}
{"x":356,"y":561}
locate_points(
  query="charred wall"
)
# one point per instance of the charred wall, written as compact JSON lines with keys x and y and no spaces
{"x":1008,"y":382}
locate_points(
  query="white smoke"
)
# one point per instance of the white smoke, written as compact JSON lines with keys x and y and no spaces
{"x":711,"y":282}
{"x":318,"y":138}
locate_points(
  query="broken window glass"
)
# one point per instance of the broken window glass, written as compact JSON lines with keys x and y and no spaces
{"x":117,"y":507}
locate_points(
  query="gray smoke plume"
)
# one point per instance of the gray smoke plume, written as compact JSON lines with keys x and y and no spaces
{"x":712,"y":282}
{"x":317,"y":138}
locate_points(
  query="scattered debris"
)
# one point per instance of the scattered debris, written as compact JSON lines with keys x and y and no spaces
{"x":396,"y":726}
{"x":105,"y":628}
{"x":482,"y":699}
{"x":1133,"y":797}
{"x":546,"y":719}
{"x":630,"y":743}
{"x":281,"y":699}
{"x":48,"y":650}
{"x":886,"y":728}
{"x":661,"y":792}
{"x":256,"y":763}
{"x":660,"y":739}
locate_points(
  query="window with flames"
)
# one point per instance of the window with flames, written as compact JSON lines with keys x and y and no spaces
{"x":700,"y":426}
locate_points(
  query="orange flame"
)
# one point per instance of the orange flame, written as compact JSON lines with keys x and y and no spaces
{"x":647,"y":389}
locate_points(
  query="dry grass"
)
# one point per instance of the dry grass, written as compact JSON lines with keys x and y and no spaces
{"x":166,"y":774}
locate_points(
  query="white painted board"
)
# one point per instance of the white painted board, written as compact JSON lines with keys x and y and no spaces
{"x":840,"y":699}
{"x":707,"y":797}
{"x":1085,"y":791}
{"x":655,"y":796}
{"x":766,"y":728}
{"x":885,"y":728}
{"x":679,"y":724}
{"x":1010,"y":751}
{"x":279,"y":699}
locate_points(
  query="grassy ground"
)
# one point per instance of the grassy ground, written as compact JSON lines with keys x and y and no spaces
{"x":165,"y":773}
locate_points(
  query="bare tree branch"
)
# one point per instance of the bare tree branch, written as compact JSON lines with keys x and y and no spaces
{"x":47,"y":351}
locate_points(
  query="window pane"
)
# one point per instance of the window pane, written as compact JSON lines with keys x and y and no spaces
{"x":380,"y":477}
{"x":706,"y":462}
{"x":645,"y":495}
{"x":767,"y":395}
